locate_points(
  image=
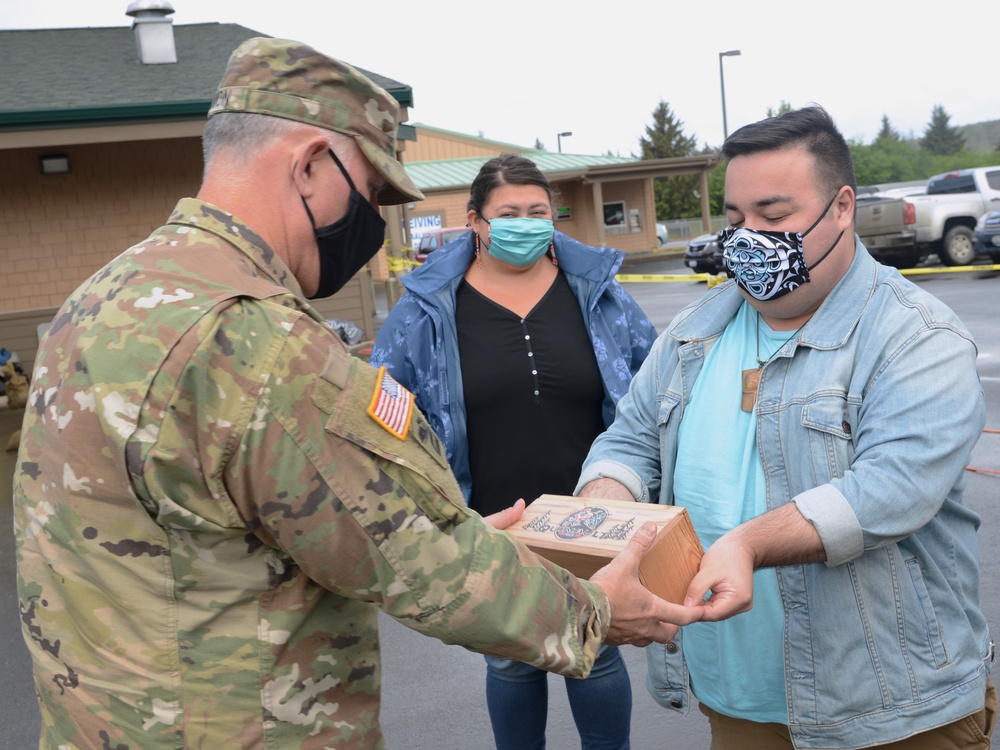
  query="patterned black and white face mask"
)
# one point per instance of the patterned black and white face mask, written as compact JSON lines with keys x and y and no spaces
{"x":766,"y":264}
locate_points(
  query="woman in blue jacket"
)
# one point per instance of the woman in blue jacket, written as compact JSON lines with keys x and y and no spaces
{"x":518,"y":342}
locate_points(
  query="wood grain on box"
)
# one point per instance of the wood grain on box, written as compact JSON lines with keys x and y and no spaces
{"x":583,"y":534}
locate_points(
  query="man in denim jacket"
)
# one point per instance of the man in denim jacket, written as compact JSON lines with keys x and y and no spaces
{"x":840,"y":404}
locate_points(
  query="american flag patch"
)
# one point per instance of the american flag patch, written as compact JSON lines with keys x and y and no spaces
{"x":392,"y":405}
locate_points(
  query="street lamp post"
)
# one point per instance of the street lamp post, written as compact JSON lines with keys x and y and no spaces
{"x":722,"y":84}
{"x":559,"y":137}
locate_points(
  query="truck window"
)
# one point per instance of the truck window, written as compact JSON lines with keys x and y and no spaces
{"x":993,"y":179}
{"x":959,"y":183}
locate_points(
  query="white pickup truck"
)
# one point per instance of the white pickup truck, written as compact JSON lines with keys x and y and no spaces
{"x":945,"y":216}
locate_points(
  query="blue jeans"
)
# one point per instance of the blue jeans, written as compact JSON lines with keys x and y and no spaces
{"x":517,"y":695}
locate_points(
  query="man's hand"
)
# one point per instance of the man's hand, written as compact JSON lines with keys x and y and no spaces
{"x":727,"y":570}
{"x":638,"y":617}
{"x":781,"y":536}
{"x":504,"y":518}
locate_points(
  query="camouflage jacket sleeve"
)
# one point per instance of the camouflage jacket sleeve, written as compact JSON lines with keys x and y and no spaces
{"x":373,"y":517}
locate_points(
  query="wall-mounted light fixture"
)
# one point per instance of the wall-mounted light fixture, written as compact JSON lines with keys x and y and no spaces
{"x":54,"y":163}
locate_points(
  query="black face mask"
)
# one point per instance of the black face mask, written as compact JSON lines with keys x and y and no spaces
{"x":347,"y":244}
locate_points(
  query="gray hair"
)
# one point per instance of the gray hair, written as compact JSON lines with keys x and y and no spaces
{"x":242,"y":135}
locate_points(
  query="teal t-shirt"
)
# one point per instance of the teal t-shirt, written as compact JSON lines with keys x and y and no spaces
{"x":737,"y":665}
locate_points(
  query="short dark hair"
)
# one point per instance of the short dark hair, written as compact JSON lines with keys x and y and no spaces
{"x":506,"y":169}
{"x":811,"y":128}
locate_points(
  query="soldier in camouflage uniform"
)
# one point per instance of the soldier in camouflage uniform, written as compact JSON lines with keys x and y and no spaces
{"x":212,"y":498}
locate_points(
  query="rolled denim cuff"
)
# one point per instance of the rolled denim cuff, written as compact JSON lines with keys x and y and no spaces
{"x":835,"y":522}
{"x":606,"y":469}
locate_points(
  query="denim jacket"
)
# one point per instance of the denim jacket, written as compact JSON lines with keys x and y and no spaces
{"x":418,"y":343}
{"x":866,"y":420}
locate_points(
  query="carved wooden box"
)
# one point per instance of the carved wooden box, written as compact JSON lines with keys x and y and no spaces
{"x":583,"y":534}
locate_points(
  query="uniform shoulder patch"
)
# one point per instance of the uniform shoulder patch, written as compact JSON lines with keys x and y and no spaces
{"x":391,"y":405}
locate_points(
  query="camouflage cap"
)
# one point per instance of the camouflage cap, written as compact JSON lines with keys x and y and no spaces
{"x":283,"y":78}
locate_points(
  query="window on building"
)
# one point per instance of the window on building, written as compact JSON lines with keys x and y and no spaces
{"x":614,"y":217}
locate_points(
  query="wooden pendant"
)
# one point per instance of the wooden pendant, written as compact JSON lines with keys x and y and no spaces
{"x":751,"y":381}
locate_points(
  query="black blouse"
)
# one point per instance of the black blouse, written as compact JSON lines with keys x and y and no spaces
{"x":533,"y":395}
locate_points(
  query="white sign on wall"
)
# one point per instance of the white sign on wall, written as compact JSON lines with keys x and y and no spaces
{"x":422,"y":224}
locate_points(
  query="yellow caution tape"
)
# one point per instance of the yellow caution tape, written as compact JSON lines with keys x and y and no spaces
{"x":627,"y":277}
{"x":949,"y":269}
{"x":712,"y":279}
{"x":716,"y":279}
{"x":400,"y":264}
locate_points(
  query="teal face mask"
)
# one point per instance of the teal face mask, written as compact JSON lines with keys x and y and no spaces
{"x":519,"y":241}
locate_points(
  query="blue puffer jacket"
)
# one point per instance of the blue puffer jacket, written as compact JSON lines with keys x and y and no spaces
{"x":418,"y":343}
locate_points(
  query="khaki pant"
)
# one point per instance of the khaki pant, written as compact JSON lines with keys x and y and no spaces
{"x":971,"y":733}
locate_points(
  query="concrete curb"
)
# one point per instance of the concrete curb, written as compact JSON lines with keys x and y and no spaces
{"x":642,"y":256}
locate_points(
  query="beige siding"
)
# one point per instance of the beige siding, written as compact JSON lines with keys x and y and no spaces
{"x":19,"y":330}
{"x":638,"y":193}
{"x":355,"y":302}
{"x":57,"y":230}
{"x":577,"y":197}
{"x":19,"y":333}
{"x":450,"y":206}
{"x":434,"y":145}
{"x":634,"y":194}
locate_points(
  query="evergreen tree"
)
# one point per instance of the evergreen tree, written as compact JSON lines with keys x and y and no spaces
{"x":717,"y":189}
{"x":675,"y":196}
{"x":887,"y":132}
{"x":888,"y":159}
{"x":782,"y":109}
{"x":665,"y":137}
{"x":940,"y":138}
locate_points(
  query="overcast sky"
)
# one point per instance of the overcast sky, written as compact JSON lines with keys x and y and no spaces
{"x":515,"y":71}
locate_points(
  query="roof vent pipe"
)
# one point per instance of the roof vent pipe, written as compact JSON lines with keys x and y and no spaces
{"x":154,"y":32}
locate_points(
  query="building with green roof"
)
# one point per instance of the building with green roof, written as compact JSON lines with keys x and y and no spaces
{"x":100,"y":135}
{"x":600,"y":199}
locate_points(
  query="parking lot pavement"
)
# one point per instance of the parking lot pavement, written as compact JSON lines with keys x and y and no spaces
{"x":19,"y":717}
{"x":433,"y":694}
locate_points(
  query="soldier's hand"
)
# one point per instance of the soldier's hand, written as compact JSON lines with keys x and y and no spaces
{"x":638,"y":617}
{"x":504,"y":518}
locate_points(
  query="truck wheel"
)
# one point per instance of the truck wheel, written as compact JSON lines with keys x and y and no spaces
{"x":958,"y":247}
